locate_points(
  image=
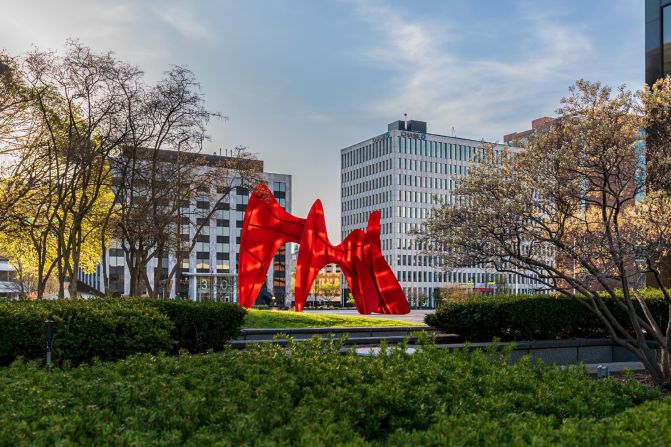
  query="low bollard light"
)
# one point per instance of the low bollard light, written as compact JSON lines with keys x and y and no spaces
{"x":602,"y":371}
{"x":49,"y":332}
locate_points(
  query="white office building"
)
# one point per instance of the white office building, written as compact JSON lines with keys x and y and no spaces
{"x":210,"y":271}
{"x":405,"y":173}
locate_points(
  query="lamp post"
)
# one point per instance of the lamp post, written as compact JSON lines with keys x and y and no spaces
{"x":49,"y":332}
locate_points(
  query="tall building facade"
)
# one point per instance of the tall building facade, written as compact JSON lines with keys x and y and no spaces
{"x":405,"y":173}
{"x":209,"y":273}
{"x":658,"y":65}
{"x":657,"y":39}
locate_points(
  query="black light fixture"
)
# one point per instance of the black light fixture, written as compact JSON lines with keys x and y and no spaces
{"x":49,"y":332}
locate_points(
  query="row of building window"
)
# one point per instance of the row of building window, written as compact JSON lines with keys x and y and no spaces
{"x":367,"y":201}
{"x":361,"y":218}
{"x":366,"y":185}
{"x":411,"y":146}
{"x":401,"y":164}
{"x":437,"y":149}
{"x":427,"y":182}
{"x":378,"y":148}
{"x":433,"y":167}
{"x":471,"y":278}
{"x":438,"y":184}
{"x":366,"y":170}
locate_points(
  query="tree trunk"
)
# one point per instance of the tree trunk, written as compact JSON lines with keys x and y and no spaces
{"x":72,"y":287}
{"x":74,"y":267}
{"x":40,"y":282}
{"x":61,"y":278}
{"x":158,"y":273}
{"x":105,"y":273}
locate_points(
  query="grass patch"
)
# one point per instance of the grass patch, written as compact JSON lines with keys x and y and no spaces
{"x":311,"y":394}
{"x":287,"y":319}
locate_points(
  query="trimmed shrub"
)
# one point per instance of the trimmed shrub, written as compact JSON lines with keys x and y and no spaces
{"x":314,"y":395}
{"x":532,"y":317}
{"x":84,"y":330}
{"x":201,"y":326}
{"x":111,"y":329}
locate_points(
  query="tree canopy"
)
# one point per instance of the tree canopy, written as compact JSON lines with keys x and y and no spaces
{"x":584,"y":209}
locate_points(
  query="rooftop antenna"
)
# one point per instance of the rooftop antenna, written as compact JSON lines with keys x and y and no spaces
{"x":452,"y":130}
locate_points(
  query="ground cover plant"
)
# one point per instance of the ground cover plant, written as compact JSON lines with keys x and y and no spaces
{"x":288,"y":319}
{"x":529,"y":317}
{"x":311,"y":394}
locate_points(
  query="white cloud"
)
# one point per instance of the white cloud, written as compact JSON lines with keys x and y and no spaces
{"x":125,"y":27}
{"x":477,"y":95}
{"x":138,"y":32}
{"x":182,"y":20}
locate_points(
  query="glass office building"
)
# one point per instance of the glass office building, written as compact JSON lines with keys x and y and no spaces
{"x":405,"y":173}
{"x":657,"y":39}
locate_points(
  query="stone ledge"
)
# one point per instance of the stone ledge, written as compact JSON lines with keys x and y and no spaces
{"x":350,"y":341}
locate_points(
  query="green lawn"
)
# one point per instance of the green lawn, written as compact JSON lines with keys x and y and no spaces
{"x":290,"y":319}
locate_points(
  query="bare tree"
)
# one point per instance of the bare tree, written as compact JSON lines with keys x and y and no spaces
{"x":172,"y":116}
{"x":210,"y":187}
{"x":575,"y":212}
{"x":164,"y":214}
{"x":162,"y":170}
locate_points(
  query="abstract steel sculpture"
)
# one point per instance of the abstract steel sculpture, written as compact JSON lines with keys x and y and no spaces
{"x":267,"y":226}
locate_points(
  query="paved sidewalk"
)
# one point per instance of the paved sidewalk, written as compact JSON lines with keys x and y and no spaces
{"x":415,"y":316}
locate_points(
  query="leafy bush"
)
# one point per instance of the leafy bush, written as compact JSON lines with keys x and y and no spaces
{"x":203,"y":325}
{"x":528,"y":317}
{"x":313,"y":395}
{"x":83,"y":330}
{"x":111,"y":329}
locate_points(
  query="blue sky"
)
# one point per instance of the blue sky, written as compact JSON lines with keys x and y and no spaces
{"x":301,"y":79}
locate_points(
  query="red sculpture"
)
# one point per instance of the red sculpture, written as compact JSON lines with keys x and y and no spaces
{"x":267,"y":227}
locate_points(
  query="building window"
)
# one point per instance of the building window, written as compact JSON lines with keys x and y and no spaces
{"x":223,"y":266}
{"x":116,"y":279}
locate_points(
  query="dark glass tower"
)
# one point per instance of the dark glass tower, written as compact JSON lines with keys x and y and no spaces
{"x":657,"y":65}
{"x":657,"y":39}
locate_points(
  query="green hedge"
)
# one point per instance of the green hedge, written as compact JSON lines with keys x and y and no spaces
{"x":201,"y":326}
{"x":531,"y":317}
{"x":313,"y":395}
{"x":111,"y":329}
{"x":83,"y":330}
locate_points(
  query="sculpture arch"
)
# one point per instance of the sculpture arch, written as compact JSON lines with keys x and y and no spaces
{"x":267,"y":226}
